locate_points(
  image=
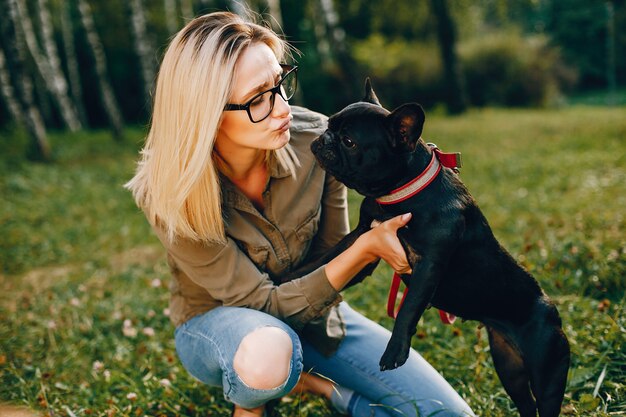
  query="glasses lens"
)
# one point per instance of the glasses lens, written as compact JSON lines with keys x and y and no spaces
{"x":289,"y":84}
{"x":261,"y":106}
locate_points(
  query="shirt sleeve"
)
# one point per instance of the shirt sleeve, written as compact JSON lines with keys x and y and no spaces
{"x":334,"y":221}
{"x":229,"y":276}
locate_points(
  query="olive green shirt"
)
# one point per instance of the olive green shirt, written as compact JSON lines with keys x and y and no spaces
{"x":303,"y":217}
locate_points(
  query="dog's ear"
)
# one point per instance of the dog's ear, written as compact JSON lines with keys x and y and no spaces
{"x":370,"y":95}
{"x":405,"y":124}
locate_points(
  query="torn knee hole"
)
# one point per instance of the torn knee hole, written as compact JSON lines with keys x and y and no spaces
{"x":263,"y":358}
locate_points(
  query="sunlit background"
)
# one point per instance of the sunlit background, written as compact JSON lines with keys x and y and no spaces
{"x":532,"y":92}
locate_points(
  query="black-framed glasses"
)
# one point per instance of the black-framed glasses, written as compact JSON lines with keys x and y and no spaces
{"x":261,"y":105}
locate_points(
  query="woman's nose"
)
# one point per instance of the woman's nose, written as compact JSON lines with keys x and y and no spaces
{"x":281,"y":106}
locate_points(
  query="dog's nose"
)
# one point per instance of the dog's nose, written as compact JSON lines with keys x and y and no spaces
{"x":326,"y":138}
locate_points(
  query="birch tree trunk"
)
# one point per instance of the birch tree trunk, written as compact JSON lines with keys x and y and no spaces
{"x":143,"y":46}
{"x":52,"y":53}
{"x":49,"y":69}
{"x":109,"y":102}
{"x":8,"y":93}
{"x":171,"y":16}
{"x":14,"y":56}
{"x":456,"y":101}
{"x":73,"y":73}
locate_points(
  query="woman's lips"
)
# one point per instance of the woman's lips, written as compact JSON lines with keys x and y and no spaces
{"x":285,"y":126}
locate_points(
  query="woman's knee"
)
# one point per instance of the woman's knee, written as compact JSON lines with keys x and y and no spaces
{"x":263,"y":358}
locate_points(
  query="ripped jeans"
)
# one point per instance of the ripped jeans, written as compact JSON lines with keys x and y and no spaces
{"x":206,"y":345}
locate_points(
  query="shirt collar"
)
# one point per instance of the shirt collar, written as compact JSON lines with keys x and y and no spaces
{"x":232,"y":197}
{"x":276,"y":169}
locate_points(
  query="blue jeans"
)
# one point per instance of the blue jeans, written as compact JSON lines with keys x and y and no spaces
{"x":206,"y":345}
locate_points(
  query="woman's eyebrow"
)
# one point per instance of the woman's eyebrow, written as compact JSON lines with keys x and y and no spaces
{"x":263,"y":87}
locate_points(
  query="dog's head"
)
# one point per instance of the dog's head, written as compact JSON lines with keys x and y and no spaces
{"x":368,"y":148}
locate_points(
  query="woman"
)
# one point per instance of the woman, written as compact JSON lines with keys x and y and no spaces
{"x":232,"y":191}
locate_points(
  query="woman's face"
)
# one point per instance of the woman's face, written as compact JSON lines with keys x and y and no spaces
{"x":257,"y":70}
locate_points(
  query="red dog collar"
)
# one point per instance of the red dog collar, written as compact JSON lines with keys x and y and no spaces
{"x":413,"y":187}
{"x":448,"y":160}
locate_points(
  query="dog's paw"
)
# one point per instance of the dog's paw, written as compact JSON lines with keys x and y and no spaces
{"x":395,"y":356}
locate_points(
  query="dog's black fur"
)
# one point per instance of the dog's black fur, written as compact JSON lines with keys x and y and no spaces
{"x":458,"y":265}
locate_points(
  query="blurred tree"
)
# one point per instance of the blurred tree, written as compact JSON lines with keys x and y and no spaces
{"x":52,"y":55}
{"x":455,"y":98}
{"x":579,"y":27}
{"x":336,"y":38}
{"x":394,"y":41}
{"x":610,"y":49}
{"x":14,"y":56}
{"x":71,"y":62}
{"x":107,"y":95}
{"x":171,"y":16}
{"x":273,"y":9}
{"x":186,"y":7}
{"x":8,"y":92}
{"x":143,"y":46}
{"x":49,"y":67}
{"x":322,"y":43}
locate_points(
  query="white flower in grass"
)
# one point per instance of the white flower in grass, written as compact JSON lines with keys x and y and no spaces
{"x":131,"y":396}
{"x":128,"y":330}
{"x":156,"y":283}
{"x":75,"y":302}
{"x":165,"y":383}
{"x":52,"y":325}
{"x":148,"y":331}
{"x":166,"y":312}
{"x":97,"y":366}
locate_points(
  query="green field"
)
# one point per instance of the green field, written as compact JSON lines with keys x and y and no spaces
{"x":83,"y":281}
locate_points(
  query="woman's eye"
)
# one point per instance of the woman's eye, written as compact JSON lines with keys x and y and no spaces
{"x":258,"y":101}
{"x":347,"y":142}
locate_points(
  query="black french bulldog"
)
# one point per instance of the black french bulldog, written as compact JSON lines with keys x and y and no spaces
{"x":458,"y":265}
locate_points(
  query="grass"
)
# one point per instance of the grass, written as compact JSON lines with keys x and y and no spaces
{"x":83,"y":282}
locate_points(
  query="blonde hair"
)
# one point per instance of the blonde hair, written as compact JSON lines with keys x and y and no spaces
{"x":177,"y":184}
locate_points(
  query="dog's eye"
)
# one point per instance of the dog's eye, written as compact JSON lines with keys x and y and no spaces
{"x":347,"y":142}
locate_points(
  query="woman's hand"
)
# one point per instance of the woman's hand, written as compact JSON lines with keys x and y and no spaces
{"x":382,"y":242}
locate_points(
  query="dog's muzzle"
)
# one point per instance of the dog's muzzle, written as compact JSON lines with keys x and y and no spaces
{"x":323,"y":149}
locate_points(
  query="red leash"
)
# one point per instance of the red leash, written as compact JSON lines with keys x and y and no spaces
{"x":449,"y":160}
{"x":446,"y":318}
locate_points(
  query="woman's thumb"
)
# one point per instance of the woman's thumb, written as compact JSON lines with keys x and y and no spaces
{"x":400,"y":221}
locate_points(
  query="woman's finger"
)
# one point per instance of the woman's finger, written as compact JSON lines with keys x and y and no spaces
{"x":399,"y":221}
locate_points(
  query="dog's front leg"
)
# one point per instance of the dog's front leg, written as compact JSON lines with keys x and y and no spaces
{"x":423,"y":283}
